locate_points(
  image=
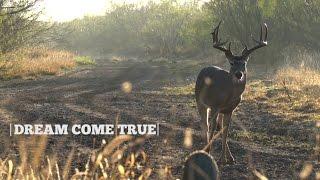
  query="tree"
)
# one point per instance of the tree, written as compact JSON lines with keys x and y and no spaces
{"x":19,"y":24}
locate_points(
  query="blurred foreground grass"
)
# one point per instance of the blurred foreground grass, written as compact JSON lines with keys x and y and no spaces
{"x":120,"y":158}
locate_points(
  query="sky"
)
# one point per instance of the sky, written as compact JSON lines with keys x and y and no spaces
{"x":66,"y":10}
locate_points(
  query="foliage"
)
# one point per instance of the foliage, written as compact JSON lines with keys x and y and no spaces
{"x":291,"y":23}
{"x":164,"y":29}
{"x":19,"y":25}
{"x":240,"y":18}
{"x":175,"y":28}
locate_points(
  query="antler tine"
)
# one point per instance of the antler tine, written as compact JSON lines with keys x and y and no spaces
{"x":260,"y":33}
{"x":245,"y":47}
{"x":266,"y":35}
{"x":215,"y":34}
{"x":229,"y":47}
{"x":217,"y":42}
{"x":219,"y":25}
{"x":221,"y":43}
{"x":261,"y":43}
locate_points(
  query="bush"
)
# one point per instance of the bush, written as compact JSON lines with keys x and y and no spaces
{"x":174,"y":28}
{"x":158,"y":29}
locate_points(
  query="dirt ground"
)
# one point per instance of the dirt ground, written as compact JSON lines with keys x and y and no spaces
{"x":277,"y":147}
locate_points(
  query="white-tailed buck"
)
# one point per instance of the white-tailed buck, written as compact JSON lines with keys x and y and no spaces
{"x":218,"y":92}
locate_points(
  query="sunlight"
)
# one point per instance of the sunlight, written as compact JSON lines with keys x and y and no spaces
{"x":65,"y":10}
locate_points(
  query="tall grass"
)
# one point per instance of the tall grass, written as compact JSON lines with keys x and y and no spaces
{"x":119,"y":159}
{"x":33,"y":62}
{"x":298,"y":77}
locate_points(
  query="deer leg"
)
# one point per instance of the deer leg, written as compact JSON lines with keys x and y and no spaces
{"x":219,"y":122}
{"x":214,"y":117}
{"x":209,"y":130}
{"x":226,"y":153}
{"x":203,"y":123}
{"x":211,"y":124}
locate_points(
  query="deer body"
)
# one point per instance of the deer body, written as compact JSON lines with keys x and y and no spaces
{"x":221,"y":93}
{"x":218,"y":92}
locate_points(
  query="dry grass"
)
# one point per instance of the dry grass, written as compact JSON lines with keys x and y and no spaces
{"x":292,"y":93}
{"x":181,"y":90}
{"x":298,"y":78}
{"x":33,"y":62}
{"x":119,"y":159}
{"x":299,"y":91}
{"x":118,"y":58}
{"x":294,"y":89}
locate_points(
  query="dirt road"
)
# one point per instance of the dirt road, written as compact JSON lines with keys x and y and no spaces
{"x":94,"y":95}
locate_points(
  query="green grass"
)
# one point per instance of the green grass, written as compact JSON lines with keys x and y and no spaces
{"x":84,"y":60}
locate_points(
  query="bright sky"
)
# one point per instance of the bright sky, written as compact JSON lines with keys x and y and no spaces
{"x":66,"y":10}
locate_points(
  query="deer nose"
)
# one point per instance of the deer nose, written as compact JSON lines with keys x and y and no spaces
{"x":238,"y":74}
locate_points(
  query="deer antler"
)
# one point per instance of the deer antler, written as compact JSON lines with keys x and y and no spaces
{"x":261,"y":43}
{"x":218,"y":44}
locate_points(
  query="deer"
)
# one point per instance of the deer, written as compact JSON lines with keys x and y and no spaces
{"x":218,"y":92}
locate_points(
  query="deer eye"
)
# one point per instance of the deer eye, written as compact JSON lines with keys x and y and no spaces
{"x":231,"y":63}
